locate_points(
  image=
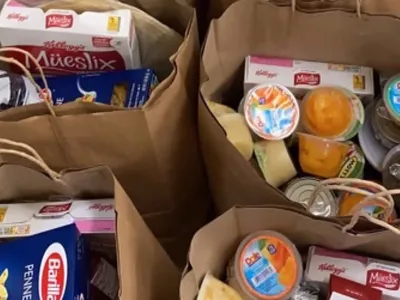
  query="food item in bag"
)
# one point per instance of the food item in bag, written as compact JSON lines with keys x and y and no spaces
{"x":64,"y":42}
{"x":219,"y":109}
{"x":306,"y":291}
{"x":391,"y":97}
{"x":353,"y":164}
{"x":385,"y":129}
{"x":271,"y":111}
{"x":214,"y":289}
{"x":344,"y":289}
{"x":16,"y":90}
{"x":267,"y":266}
{"x":237,"y":133}
{"x":302,"y":76}
{"x":321,"y":157}
{"x":274,"y":161}
{"x":131,"y":88}
{"x":300,"y":190}
{"x":332,"y":112}
{"x":104,"y":279}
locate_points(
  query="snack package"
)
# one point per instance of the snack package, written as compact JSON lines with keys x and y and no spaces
{"x":130,"y":88}
{"x":301,"y":76}
{"x":47,"y":256}
{"x":344,"y":289}
{"x":65,"y":42}
{"x":374,"y":273}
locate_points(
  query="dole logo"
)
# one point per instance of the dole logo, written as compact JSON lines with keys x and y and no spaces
{"x":307,"y":78}
{"x":383,"y":279}
{"x":58,"y":20}
{"x":53,"y":273}
{"x":252,"y":258}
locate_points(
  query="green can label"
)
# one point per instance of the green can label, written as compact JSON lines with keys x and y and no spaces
{"x":353,"y":164}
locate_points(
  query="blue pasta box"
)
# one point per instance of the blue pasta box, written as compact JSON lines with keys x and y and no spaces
{"x":130,"y":88}
{"x":46,"y":253}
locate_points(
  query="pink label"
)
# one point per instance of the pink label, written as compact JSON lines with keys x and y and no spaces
{"x":95,"y":226}
{"x":280,"y":62}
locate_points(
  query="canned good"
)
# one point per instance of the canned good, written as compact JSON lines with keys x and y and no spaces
{"x":387,"y":132}
{"x":353,"y":164}
{"x":391,"y":97}
{"x":299,"y":190}
{"x":271,"y":111}
{"x":391,"y":171}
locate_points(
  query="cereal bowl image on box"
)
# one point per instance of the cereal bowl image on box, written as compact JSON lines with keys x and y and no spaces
{"x":271,"y":111}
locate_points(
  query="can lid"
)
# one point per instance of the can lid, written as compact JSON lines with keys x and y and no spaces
{"x":271,"y":111}
{"x":268,"y":256}
{"x":353,"y":164}
{"x":387,"y":129}
{"x":299,"y":190}
{"x":391,"y":97}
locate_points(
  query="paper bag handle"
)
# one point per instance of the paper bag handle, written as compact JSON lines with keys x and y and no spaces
{"x":47,"y":96}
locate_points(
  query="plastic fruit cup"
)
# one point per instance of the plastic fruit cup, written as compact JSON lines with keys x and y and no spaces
{"x":321,"y":157}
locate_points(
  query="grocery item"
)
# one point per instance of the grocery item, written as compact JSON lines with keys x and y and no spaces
{"x":353,"y":164}
{"x":391,"y":96}
{"x":387,"y":132}
{"x":299,"y":190}
{"x":391,"y":171}
{"x":342,"y":289}
{"x":219,"y":109}
{"x":267,"y":266}
{"x":274,"y":161}
{"x":271,"y":111}
{"x":16,"y":90}
{"x":374,"y":273}
{"x":103,"y":279}
{"x":373,"y":150}
{"x":237,"y":133}
{"x":131,"y":88}
{"x":321,"y":157}
{"x":214,"y":289}
{"x":56,"y":267}
{"x":301,"y":76}
{"x":332,"y":112}
{"x":306,"y":291}
{"x":64,"y":42}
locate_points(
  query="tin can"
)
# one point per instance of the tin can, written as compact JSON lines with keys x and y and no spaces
{"x":271,"y":111}
{"x":353,"y":164}
{"x":299,"y":190}
{"x":391,"y":171}
{"x":386,"y":131}
{"x":391,"y":97}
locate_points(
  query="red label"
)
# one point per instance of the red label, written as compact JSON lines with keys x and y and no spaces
{"x":101,"y":42}
{"x":252,"y":259}
{"x":331,"y":268}
{"x":307,"y":78}
{"x":52,"y":285}
{"x":60,"y":21}
{"x":55,"y":208}
{"x":352,"y":289}
{"x":383,"y":279}
{"x":101,"y":207}
{"x":17,"y":16}
{"x":61,"y":58}
{"x":266,"y":73}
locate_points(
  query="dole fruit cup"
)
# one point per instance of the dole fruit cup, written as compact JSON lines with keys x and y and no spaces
{"x":332,"y":112}
{"x":321,"y":157}
{"x":271,"y":111}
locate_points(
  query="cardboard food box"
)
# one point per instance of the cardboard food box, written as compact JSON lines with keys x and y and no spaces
{"x":46,"y":255}
{"x":65,"y":42}
{"x":301,"y":76}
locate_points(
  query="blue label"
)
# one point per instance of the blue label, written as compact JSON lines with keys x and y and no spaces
{"x":393,"y":97}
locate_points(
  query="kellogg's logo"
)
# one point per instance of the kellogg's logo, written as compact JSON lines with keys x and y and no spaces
{"x":17,"y":16}
{"x":266,"y":73}
{"x":53,"y":273}
{"x":331,"y":268}
{"x":60,"y":21}
{"x":383,"y":279}
{"x":101,"y":207}
{"x":307,"y":78}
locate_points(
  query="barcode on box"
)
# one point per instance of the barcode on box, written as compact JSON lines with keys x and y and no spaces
{"x":263,"y":275}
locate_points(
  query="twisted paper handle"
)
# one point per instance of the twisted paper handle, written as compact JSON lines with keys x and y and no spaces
{"x":28,"y":74}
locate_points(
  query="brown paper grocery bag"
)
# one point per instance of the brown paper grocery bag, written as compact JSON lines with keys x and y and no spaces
{"x":153,"y":151}
{"x":263,"y":28}
{"x":145,"y":270}
{"x":216,"y":243}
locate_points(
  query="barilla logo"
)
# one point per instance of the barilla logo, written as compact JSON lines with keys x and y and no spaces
{"x":17,"y":16}
{"x":60,"y":21}
{"x":331,"y":268}
{"x":307,"y":78}
{"x":266,"y":73}
{"x":53,"y":273}
{"x":252,"y":259}
{"x":101,"y":207}
{"x":383,"y":279}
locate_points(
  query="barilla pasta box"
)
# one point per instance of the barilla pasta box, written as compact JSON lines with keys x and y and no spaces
{"x":44,"y":250}
{"x":374,"y":273}
{"x":131,"y":88}
{"x":65,"y":42}
{"x":301,"y":76}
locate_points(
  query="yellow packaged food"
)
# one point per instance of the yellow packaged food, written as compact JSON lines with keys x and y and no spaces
{"x":214,"y":289}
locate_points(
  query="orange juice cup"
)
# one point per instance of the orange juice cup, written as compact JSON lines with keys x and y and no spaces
{"x":321,"y":157}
